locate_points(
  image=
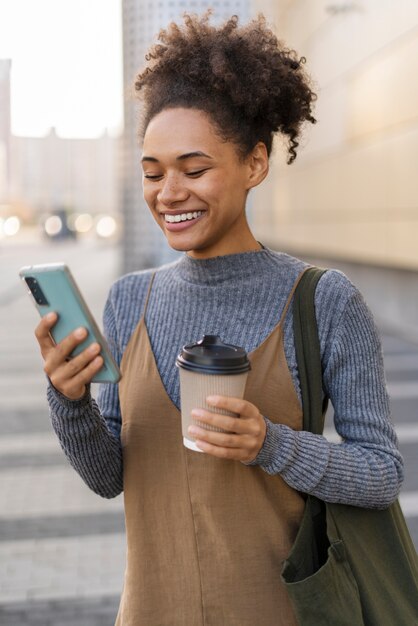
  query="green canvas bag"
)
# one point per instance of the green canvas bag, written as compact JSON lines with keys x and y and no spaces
{"x":349,"y":565}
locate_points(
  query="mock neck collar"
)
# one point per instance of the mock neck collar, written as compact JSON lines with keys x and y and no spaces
{"x":219,"y":269}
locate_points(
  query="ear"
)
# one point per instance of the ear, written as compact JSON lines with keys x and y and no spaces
{"x":258,"y":165}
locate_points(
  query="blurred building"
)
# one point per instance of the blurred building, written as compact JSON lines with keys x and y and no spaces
{"x":351,"y":197}
{"x":5,"y":132}
{"x":52,"y":172}
{"x":144,"y":243}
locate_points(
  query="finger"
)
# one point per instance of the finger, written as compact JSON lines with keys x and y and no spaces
{"x":234,"y":454}
{"x":224,"y":440}
{"x":64,"y":348}
{"x":71,"y":367}
{"x":85,"y":375}
{"x":226,"y":422}
{"x":74,"y":387}
{"x":245,"y":447}
{"x":42,"y":332}
{"x":92,"y":368}
{"x":236,"y":405}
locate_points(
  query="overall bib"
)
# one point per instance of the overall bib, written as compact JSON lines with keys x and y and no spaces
{"x":206,"y":537}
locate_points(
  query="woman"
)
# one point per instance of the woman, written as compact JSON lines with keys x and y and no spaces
{"x":207,"y":533}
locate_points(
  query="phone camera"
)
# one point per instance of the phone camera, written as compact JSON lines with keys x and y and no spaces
{"x":36,"y":290}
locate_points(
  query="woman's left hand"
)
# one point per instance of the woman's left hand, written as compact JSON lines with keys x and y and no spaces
{"x":245,"y":435}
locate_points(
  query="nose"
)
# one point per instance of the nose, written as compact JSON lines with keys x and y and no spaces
{"x":172,"y":190}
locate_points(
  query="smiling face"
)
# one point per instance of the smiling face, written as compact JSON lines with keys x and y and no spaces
{"x":196,"y":185}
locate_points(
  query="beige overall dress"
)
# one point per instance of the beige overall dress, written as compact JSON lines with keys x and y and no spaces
{"x":206,"y":537}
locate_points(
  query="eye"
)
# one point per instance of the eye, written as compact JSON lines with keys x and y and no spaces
{"x":153,"y":176}
{"x":196,"y":173}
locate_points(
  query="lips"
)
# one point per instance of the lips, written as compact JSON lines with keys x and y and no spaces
{"x":182,"y":224}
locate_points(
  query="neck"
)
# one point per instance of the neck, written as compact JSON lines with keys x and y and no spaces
{"x":239,"y":239}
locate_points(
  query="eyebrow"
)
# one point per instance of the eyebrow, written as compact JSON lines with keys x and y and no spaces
{"x":182,"y":157}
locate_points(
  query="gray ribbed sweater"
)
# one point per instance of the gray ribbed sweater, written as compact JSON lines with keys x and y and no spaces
{"x":240,"y":297}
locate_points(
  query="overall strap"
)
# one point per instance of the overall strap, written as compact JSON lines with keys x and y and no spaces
{"x":308,"y":353}
{"x":148,"y":293}
{"x":289,"y":299}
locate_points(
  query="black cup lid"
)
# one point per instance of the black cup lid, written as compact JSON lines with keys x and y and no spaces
{"x":211,"y":355}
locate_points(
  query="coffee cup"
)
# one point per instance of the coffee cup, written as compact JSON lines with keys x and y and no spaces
{"x":209,"y":367}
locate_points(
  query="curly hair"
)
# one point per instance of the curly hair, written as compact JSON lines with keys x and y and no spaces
{"x":243,"y":77}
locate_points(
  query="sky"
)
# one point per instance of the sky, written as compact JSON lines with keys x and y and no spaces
{"x":66,"y":65}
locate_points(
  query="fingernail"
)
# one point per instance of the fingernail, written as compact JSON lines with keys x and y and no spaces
{"x":94,"y":348}
{"x":197,"y":413}
{"x":50,"y":317}
{"x":80,"y":333}
{"x":212,"y":399}
{"x":193,"y":430}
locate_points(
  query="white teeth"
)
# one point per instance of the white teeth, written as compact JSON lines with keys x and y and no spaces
{"x":183,"y":217}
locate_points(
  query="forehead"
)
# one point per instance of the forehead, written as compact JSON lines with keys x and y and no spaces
{"x":179,"y":131}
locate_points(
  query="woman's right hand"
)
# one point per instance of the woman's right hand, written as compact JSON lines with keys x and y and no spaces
{"x":69,"y":376}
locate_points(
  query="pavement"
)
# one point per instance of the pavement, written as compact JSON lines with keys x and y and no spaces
{"x":61,"y":546}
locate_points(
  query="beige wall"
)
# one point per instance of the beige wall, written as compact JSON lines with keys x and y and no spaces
{"x":53,"y":172}
{"x":352,"y":192}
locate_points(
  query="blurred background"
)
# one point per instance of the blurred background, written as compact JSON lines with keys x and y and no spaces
{"x":70,"y":190}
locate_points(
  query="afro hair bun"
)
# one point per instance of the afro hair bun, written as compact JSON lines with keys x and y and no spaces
{"x":250,"y":84}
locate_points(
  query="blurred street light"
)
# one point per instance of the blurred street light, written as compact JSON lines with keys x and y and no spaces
{"x":106,"y":226}
{"x":9,"y":226}
{"x":53,"y":225}
{"x":83,"y":223}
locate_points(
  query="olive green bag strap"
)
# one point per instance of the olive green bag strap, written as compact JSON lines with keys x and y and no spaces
{"x":348,"y":565}
{"x":305,"y":331}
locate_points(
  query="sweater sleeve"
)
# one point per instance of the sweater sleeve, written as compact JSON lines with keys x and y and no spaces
{"x":89,"y":436}
{"x":366,"y":468}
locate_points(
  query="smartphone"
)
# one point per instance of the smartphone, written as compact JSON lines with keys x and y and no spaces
{"x":53,"y":288}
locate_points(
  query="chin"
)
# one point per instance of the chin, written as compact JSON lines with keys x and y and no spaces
{"x":182,"y":244}
{"x":179,"y":246}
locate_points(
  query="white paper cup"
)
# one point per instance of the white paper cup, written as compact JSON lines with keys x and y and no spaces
{"x":195,"y":387}
{"x":209,"y":367}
